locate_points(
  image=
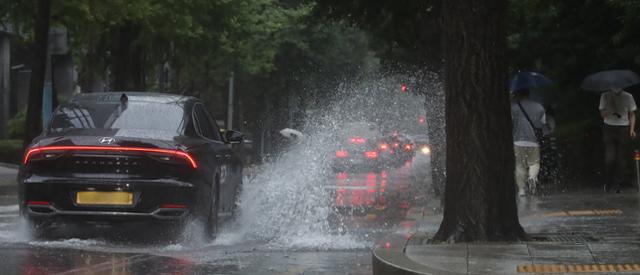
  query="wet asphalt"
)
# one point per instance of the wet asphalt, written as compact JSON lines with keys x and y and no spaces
{"x":367,"y":204}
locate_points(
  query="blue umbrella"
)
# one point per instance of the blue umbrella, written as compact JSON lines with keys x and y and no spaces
{"x":528,"y":80}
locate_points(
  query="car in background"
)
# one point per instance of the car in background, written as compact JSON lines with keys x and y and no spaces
{"x":356,"y":148}
{"x":129,"y":157}
{"x":396,"y":149}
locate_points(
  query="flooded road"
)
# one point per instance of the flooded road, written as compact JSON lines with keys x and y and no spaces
{"x":364,"y":206}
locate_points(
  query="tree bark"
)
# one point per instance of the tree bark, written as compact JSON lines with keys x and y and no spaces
{"x":128,"y":59}
{"x":33,"y":120}
{"x":480,"y":201}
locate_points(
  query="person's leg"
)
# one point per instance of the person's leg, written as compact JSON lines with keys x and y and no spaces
{"x":623,"y":156}
{"x":521,"y":169}
{"x":608,"y":138}
{"x":533,"y":161}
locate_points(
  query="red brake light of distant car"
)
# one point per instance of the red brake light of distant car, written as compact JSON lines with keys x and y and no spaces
{"x":371,"y":154}
{"x":396,"y":145}
{"x":43,"y":152}
{"x":408,"y":147}
{"x":342,"y":154}
{"x":358,"y":140}
{"x":384,"y":147}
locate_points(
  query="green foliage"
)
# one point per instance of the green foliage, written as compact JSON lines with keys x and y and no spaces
{"x":10,"y":150}
{"x":407,"y":32}
{"x":201,"y":40}
{"x":15,"y":126}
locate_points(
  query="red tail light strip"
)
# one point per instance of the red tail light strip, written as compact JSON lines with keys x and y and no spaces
{"x":38,"y":203}
{"x":176,"y":153}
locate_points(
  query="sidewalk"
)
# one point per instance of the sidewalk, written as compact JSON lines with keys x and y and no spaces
{"x":576,"y":232}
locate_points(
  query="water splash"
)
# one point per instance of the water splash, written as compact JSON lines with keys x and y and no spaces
{"x":287,"y":204}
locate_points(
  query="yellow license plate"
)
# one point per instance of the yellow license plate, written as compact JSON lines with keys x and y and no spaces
{"x":104,"y":198}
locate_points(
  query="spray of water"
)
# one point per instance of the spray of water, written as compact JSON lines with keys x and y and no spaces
{"x":287,"y":203}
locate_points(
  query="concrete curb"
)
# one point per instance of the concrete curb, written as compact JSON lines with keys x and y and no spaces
{"x":9,"y":165}
{"x":389,"y":258}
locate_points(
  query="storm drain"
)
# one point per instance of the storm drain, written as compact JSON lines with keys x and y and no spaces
{"x":589,"y":212}
{"x":563,"y":238}
{"x":577,"y":268}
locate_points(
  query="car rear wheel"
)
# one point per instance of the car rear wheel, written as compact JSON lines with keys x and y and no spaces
{"x":211,"y":229}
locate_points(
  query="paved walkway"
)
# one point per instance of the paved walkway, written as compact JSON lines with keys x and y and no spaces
{"x":577,"y":232}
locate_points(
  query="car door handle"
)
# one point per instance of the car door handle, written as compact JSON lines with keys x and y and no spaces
{"x":223,"y":156}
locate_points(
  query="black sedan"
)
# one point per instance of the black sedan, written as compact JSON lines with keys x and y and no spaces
{"x":125,"y":156}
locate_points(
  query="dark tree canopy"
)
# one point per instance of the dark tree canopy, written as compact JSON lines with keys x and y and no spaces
{"x":407,"y":32}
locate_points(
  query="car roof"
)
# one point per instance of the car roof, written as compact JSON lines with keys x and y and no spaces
{"x":134,"y":96}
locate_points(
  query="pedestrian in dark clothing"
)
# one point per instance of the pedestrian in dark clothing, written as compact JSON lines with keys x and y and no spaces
{"x":617,"y":109}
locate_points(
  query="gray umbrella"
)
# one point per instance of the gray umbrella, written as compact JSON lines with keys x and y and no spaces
{"x":606,"y":80}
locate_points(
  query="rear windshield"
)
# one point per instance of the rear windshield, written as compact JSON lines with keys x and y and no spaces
{"x":111,"y":114}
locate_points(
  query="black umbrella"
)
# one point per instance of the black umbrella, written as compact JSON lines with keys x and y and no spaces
{"x":608,"y":80}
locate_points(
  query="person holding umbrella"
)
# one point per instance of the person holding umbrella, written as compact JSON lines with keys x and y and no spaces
{"x":529,"y":120}
{"x":617,"y":109}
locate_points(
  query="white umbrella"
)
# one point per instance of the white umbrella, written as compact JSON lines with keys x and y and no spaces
{"x":291,"y":133}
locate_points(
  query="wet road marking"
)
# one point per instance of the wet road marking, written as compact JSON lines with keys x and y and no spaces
{"x":577,"y":213}
{"x":113,"y":265}
{"x":577,"y":268}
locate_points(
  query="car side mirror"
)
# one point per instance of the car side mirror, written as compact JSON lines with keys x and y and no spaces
{"x":233,"y":137}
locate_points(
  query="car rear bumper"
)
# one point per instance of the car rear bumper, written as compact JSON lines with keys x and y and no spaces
{"x":55,"y":199}
{"x":50,"y":211}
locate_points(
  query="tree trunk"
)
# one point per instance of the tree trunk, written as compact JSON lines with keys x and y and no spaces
{"x":128,"y":59}
{"x":33,"y":121}
{"x":480,"y":201}
{"x":92,"y":72}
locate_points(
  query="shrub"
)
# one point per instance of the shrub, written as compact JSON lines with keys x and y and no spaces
{"x":15,"y":125}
